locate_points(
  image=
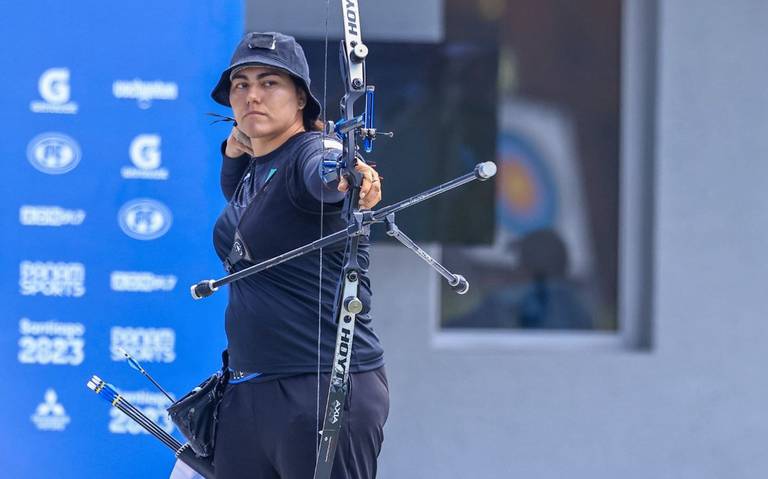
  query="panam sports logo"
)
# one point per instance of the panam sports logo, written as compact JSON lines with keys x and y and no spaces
{"x":55,"y":92}
{"x":144,"y":344}
{"x":49,"y":278}
{"x":53,"y":153}
{"x":146,"y":157}
{"x":144,"y":219}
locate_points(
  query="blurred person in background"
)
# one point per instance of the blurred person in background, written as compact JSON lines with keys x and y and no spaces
{"x":541,"y":297}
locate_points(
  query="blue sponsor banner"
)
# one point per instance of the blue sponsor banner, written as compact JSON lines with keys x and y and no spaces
{"x":110,"y":190}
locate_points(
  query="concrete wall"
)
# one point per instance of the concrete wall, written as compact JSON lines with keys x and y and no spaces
{"x":694,"y":405}
{"x":398,"y":20}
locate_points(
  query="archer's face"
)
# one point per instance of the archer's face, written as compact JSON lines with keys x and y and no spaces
{"x":265,"y":102}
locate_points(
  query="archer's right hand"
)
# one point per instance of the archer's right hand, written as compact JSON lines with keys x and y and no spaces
{"x":238,"y":144}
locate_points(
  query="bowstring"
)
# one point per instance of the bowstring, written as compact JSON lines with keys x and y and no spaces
{"x":322,"y":205}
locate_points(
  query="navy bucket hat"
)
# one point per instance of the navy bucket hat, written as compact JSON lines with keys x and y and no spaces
{"x":269,"y":49}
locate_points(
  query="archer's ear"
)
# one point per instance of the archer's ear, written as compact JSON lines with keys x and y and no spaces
{"x":302,"y":97}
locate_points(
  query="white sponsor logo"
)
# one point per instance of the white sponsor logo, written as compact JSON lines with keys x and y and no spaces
{"x":336,"y":411}
{"x":145,"y":155}
{"x":53,"y":153}
{"x":54,"y":89}
{"x":144,"y":219}
{"x":50,"y":414}
{"x":145,"y":91}
{"x":141,"y":281}
{"x":144,"y":344}
{"x":51,"y":342}
{"x":153,"y":406}
{"x":51,"y":279}
{"x":32,"y":215}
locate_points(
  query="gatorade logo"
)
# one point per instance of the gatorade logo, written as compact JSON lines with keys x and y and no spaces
{"x":146,"y":156}
{"x":54,"y":89}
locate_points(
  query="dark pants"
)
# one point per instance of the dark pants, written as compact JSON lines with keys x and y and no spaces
{"x":269,"y":430}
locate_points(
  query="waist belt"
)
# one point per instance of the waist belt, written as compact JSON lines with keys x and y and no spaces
{"x":237,"y":376}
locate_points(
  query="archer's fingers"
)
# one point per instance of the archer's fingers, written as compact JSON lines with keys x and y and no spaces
{"x":247,"y":149}
{"x":243,"y":141}
{"x":343,"y":184}
{"x":238,"y":143}
{"x":369,"y":177}
{"x":366,"y":186}
{"x":373,"y":192}
{"x":373,"y":196}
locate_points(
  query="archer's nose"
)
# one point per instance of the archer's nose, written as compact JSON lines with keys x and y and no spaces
{"x":254,"y":95}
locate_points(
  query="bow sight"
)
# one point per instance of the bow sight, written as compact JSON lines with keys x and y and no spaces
{"x":362,"y":124}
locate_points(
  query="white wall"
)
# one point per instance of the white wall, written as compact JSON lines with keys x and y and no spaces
{"x":696,"y":404}
{"x":392,"y":20}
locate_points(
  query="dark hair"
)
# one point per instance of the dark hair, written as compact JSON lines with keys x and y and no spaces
{"x":316,"y":125}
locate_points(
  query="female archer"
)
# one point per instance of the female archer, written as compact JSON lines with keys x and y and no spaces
{"x":279,"y":323}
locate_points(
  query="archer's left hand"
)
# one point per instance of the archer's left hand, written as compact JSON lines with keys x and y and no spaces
{"x":370,"y":191}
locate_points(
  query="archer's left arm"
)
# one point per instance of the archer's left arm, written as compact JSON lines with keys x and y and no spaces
{"x":334,"y":191}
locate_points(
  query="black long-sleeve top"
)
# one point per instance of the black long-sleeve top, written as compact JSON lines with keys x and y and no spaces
{"x":272,"y":316}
